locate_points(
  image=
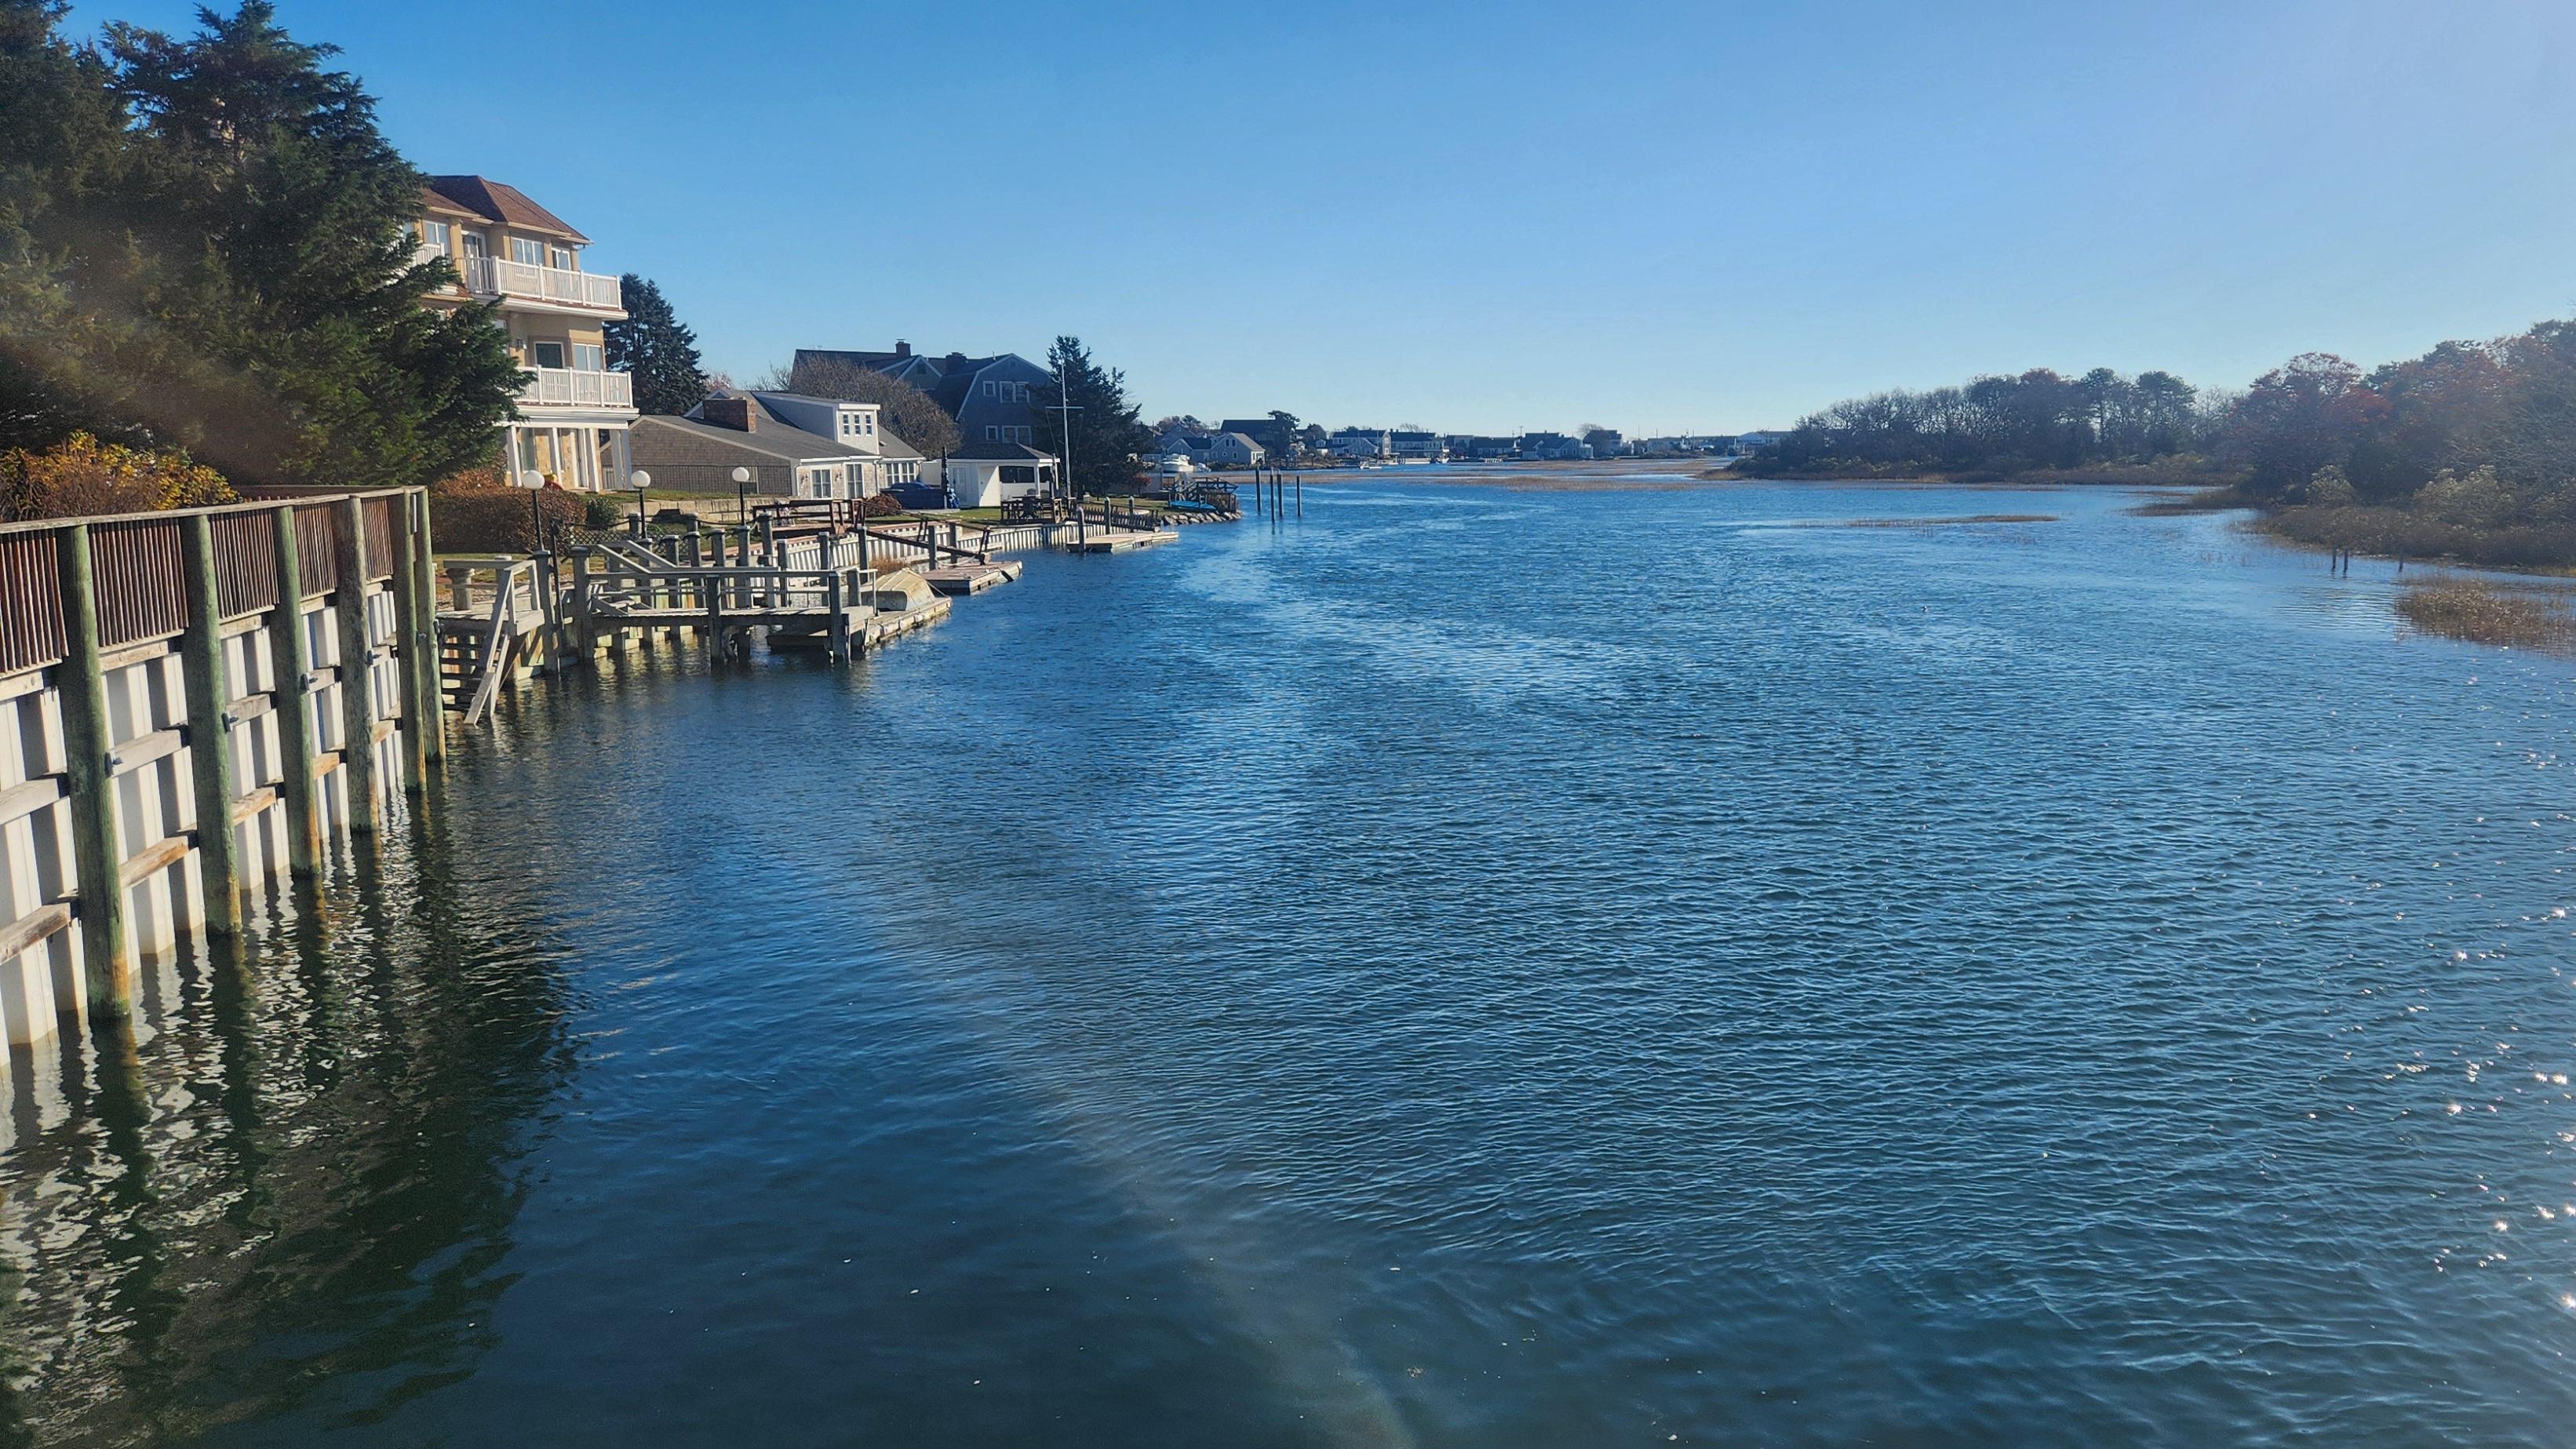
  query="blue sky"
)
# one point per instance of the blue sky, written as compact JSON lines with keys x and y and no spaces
{"x":1507,"y":216}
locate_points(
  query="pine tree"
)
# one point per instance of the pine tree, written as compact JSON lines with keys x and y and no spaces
{"x":1108,"y":435}
{"x":652,"y":346}
{"x":237,"y":237}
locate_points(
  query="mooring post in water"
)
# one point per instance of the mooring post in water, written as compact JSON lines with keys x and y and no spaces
{"x":98,"y":852}
{"x":584,"y":631}
{"x":692,"y":590}
{"x":712,"y":596}
{"x":290,"y":660}
{"x":357,"y":663}
{"x":1301,"y":495}
{"x":417,"y":695}
{"x":210,"y":735}
{"x":433,"y":688}
{"x":837,"y":602}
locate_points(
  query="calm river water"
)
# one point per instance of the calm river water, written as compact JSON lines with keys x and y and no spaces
{"x":1469,"y":968}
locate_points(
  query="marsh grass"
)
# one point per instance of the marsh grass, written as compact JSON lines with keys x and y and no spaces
{"x":2530,"y":616}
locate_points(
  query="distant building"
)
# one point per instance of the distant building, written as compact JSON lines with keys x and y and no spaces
{"x":1553,"y":447}
{"x":1234,"y":450}
{"x":981,"y":474}
{"x":1747,"y":444}
{"x":891,"y":462}
{"x":1279,"y":442}
{"x":995,"y":399}
{"x":1604,"y":442}
{"x":508,"y":251}
{"x":1483,"y":449}
{"x":700,"y":452}
{"x":1417,"y":447}
{"x":1363,"y":444}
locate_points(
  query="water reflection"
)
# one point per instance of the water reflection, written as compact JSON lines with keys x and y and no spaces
{"x":289,"y":1181}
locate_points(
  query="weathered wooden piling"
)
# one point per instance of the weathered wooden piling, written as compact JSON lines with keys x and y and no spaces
{"x":210,"y":744}
{"x":356,"y":671}
{"x":290,"y":657}
{"x":98,"y":853}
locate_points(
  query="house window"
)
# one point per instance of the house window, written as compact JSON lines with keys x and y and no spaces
{"x":589,"y":357}
{"x":475,"y":246}
{"x":527,"y":250}
{"x":547,"y":354}
{"x":433,"y":234}
{"x":868,"y":425}
{"x":560,"y":258}
{"x":992,"y":434}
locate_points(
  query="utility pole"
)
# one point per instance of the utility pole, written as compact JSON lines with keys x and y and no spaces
{"x":1064,"y":465}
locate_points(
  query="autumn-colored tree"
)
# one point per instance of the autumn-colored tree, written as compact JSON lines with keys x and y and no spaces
{"x":2298,"y":418}
{"x":907,"y":411}
{"x":81,"y":476}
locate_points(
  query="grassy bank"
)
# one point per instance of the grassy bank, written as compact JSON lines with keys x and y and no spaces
{"x":2397,"y":533}
{"x":2163,"y":473}
{"x":2519,"y":616}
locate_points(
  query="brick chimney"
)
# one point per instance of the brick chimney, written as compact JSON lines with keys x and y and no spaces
{"x":737,"y":413}
{"x":954,"y":361}
{"x":902,"y":348}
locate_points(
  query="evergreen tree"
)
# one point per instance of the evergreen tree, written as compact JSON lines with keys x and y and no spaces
{"x":1108,"y":436}
{"x":226,"y":265}
{"x":654,"y":348}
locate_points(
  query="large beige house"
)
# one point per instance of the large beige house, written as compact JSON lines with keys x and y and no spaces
{"x":574,"y":414}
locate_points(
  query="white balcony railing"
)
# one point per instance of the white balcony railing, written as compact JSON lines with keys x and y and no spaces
{"x":493,"y":277}
{"x":568,"y":387}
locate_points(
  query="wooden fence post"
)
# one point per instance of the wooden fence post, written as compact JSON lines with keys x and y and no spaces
{"x":210,"y":731}
{"x":357,"y":663}
{"x":98,"y":852}
{"x":292,"y":661}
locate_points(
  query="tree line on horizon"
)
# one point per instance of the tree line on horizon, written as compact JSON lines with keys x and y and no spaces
{"x":2478,"y":434}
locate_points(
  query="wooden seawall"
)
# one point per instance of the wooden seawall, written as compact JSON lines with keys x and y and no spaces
{"x":193,"y":704}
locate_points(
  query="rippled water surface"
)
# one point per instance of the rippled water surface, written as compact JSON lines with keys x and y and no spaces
{"x":1468,"y":968}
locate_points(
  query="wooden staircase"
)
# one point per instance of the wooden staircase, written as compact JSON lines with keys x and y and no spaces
{"x":478,"y":652}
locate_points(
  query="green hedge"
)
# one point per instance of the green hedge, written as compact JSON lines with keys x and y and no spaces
{"x":497,"y":520}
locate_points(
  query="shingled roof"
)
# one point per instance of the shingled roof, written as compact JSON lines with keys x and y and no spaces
{"x":506,"y":205}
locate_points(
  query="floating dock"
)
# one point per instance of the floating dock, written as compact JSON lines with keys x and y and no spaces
{"x":973,"y":578}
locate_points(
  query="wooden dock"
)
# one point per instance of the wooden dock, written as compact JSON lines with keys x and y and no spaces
{"x":1109,"y":540}
{"x":963,"y":579}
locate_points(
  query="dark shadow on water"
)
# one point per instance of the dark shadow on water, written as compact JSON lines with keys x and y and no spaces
{"x":287,"y":1187}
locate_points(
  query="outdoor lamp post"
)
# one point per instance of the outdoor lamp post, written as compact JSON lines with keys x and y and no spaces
{"x":742,"y":495}
{"x":533,"y":481}
{"x":639,"y":480}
